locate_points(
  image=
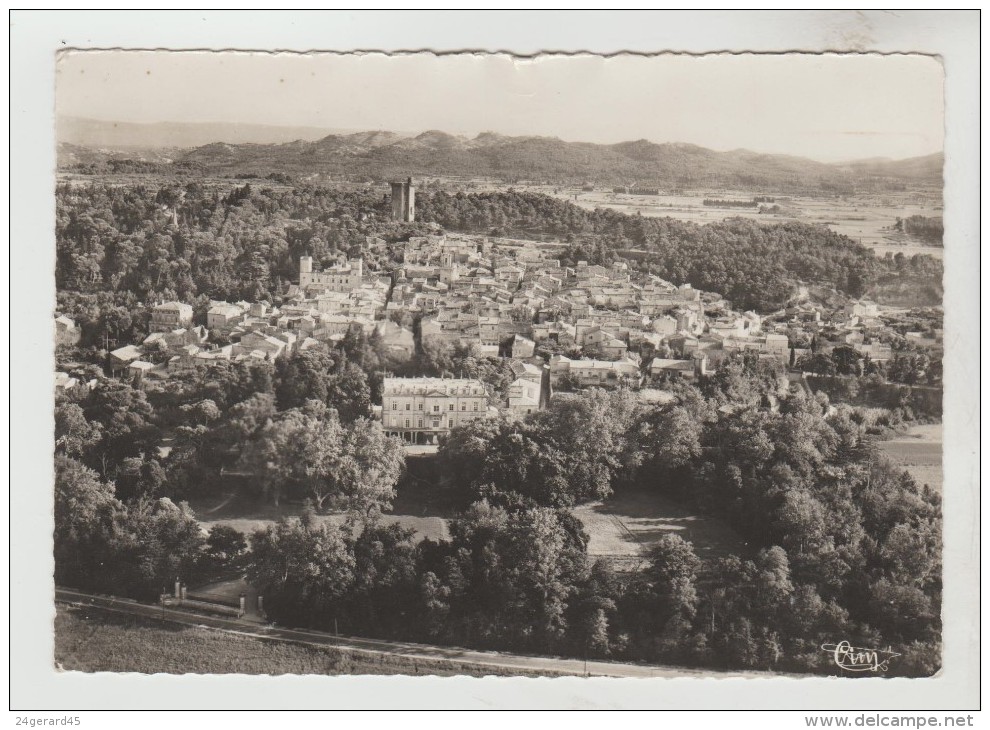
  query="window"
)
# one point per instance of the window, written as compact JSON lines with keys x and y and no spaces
{"x":451,"y":407}
{"x":420,"y":406}
{"x":420,"y":422}
{"x":463,"y":406}
{"x":476,"y":405}
{"x":450,"y":424}
{"x":407,"y":423}
{"x":407,"y":406}
{"x":395,"y":406}
{"x":436,"y":409}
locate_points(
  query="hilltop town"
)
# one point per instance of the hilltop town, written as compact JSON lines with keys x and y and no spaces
{"x":560,"y":328}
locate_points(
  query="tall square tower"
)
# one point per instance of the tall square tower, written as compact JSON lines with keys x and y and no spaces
{"x":404,"y":201}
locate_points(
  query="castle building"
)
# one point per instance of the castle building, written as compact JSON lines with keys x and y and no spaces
{"x":404,"y":201}
{"x":342,"y":279}
{"x":420,"y":410}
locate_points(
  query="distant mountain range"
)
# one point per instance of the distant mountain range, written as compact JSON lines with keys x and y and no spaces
{"x":929,"y":166}
{"x":376,"y":155}
{"x":99,"y":133}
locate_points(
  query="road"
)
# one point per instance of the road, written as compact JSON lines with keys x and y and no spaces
{"x":554,"y":665}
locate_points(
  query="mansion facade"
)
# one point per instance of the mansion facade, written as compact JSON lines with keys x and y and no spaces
{"x":420,"y":410}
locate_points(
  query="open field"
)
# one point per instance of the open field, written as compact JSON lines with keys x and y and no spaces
{"x":919,"y":451}
{"x":94,"y":640}
{"x":624,"y":527}
{"x":868,"y":219}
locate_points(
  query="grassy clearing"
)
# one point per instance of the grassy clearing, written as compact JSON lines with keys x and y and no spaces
{"x":421,"y":505}
{"x":929,"y":433}
{"x":625,"y":526}
{"x":922,"y":461}
{"x":919,"y":451}
{"x":91,"y":640}
{"x":423,"y":527}
{"x":621,"y":529}
{"x":247,"y":514}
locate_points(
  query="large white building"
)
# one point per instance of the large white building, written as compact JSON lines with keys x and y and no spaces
{"x":343,"y":278}
{"x":421,"y":409}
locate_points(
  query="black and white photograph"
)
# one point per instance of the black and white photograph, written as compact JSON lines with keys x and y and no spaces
{"x":490,"y":365}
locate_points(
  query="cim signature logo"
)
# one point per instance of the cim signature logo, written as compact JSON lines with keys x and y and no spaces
{"x":857,"y":659}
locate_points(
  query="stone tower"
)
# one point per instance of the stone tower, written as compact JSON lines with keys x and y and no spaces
{"x":404,"y":201}
{"x":305,"y":270}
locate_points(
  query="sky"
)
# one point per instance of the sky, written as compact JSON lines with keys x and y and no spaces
{"x":826,"y":107}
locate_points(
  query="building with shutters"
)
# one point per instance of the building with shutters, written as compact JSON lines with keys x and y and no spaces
{"x":420,"y":410}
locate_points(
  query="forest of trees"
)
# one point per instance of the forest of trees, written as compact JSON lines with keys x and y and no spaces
{"x":192,"y":241}
{"x":908,"y":366}
{"x":839,"y":542}
{"x":301,"y":429}
{"x":928,"y":229}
